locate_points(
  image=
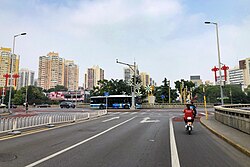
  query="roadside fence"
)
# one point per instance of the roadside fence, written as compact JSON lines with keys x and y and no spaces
{"x":19,"y":123}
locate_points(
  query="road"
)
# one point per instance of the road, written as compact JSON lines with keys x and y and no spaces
{"x":124,"y":139}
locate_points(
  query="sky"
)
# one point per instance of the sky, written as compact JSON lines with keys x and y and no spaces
{"x":166,"y":38}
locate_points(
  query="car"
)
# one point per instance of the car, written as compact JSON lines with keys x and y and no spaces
{"x":3,"y":106}
{"x":67,"y":104}
{"x":43,"y":105}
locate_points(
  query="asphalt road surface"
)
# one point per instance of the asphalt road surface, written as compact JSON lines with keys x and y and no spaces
{"x":148,"y":138}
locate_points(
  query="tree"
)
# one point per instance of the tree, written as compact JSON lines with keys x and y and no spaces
{"x":58,"y":88}
{"x":114,"y":87}
{"x":231,"y":93}
{"x":34,"y":95}
{"x":164,"y":90}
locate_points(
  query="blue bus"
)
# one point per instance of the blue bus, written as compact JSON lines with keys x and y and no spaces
{"x":113,"y":101}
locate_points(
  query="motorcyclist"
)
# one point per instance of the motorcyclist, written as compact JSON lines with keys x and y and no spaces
{"x":188,"y":112}
{"x":193,"y":107}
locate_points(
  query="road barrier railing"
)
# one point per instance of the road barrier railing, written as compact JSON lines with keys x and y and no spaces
{"x":19,"y":123}
{"x":235,"y":115}
{"x":170,"y":105}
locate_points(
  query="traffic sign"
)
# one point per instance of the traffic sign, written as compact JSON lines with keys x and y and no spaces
{"x":106,"y":93}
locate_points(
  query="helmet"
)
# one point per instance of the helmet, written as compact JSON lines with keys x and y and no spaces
{"x":188,"y":101}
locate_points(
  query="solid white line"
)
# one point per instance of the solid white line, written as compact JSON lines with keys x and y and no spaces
{"x":174,"y":154}
{"x":77,"y":144}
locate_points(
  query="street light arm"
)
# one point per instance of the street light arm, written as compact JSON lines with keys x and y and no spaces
{"x":130,"y":66}
{"x":24,"y":33}
{"x":208,"y":22}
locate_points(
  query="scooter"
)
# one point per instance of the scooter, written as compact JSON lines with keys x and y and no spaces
{"x":189,"y":126}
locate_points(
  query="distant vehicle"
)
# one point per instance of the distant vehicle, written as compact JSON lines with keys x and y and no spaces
{"x":43,"y":106}
{"x":113,"y":101}
{"x":3,"y":106}
{"x":13,"y":106}
{"x":67,"y":104}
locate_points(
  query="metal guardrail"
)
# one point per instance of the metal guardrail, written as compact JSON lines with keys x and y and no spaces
{"x":171,"y":105}
{"x":19,"y":123}
{"x":234,"y":116}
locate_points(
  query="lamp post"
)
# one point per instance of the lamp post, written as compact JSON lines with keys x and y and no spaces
{"x":26,"y":96}
{"x":11,"y":68}
{"x":169,"y":92}
{"x":218,"y":48}
{"x":133,"y":68}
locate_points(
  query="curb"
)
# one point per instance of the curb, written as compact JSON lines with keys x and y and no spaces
{"x":235,"y":145}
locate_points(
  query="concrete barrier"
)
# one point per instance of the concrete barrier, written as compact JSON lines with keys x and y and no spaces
{"x":234,"y":116}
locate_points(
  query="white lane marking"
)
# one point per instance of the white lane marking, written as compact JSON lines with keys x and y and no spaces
{"x":133,"y":113}
{"x":124,"y":113}
{"x":174,"y":154}
{"x":146,"y":120}
{"x":111,"y":119}
{"x":116,"y":113}
{"x":143,"y":113}
{"x":77,"y":144}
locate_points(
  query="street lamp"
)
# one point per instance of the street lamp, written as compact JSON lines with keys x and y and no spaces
{"x":217,"y":35}
{"x":132,"y":67}
{"x":11,"y":68}
{"x":26,"y":96}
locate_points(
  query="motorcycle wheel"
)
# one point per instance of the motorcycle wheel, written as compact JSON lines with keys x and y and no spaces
{"x":189,"y":130}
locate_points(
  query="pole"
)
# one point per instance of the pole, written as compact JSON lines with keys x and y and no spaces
{"x":133,"y":93}
{"x":11,"y":77}
{"x":106,"y":104}
{"x":218,"y":47}
{"x":169,"y":92}
{"x":133,"y":67}
{"x":26,"y":98}
{"x":205,"y":103}
{"x":181,"y":92}
{"x":11,"y":68}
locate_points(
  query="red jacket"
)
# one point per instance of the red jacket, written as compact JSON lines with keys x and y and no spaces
{"x":188,"y":113}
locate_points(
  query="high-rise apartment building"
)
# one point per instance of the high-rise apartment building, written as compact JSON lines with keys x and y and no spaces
{"x":196,"y":79}
{"x":26,"y":77}
{"x":129,"y":73}
{"x":5,"y":66}
{"x":92,"y":76}
{"x":71,"y":75}
{"x":236,"y":76}
{"x":51,"y":71}
{"x":145,"y":79}
{"x":245,"y":66}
